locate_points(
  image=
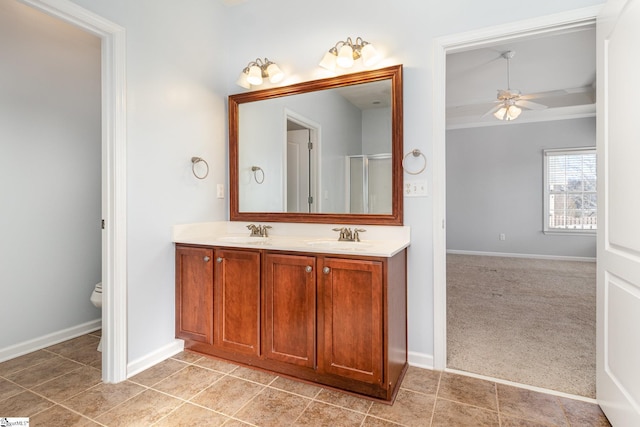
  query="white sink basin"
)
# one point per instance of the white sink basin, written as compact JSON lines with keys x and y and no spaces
{"x":243,"y":239}
{"x":336,"y":244}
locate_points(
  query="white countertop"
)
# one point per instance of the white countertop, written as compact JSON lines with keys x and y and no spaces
{"x":377,"y":240}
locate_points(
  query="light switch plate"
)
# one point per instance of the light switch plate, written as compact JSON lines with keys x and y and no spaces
{"x":415,"y":189}
{"x":220,"y":191}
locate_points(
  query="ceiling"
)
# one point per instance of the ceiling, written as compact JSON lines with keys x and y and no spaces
{"x":557,"y":70}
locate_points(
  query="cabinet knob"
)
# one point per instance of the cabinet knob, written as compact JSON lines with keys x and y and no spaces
{"x":219,"y":260}
{"x":326,"y":270}
{"x":206,"y":259}
{"x":308,"y":269}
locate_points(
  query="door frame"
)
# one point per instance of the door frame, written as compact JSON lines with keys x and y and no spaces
{"x":456,"y":43}
{"x":314,"y":174}
{"x":114,"y":181}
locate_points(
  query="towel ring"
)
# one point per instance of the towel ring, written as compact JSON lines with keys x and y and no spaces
{"x":416,"y":153}
{"x":194,"y":162}
{"x":255,"y":170}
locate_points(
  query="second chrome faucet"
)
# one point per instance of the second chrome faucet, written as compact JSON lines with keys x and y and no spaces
{"x":348,"y":235}
{"x":258,"y":230}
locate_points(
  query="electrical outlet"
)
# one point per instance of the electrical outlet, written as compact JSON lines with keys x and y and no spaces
{"x":415,"y":189}
{"x":503,"y":236}
{"x":220,"y":191}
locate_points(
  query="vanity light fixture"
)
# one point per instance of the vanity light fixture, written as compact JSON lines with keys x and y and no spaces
{"x":256,"y":71}
{"x":345,"y":53}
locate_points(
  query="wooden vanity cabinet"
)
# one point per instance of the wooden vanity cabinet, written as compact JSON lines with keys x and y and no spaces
{"x":336,"y":320}
{"x":351,"y":319}
{"x":236,"y":301}
{"x":218,"y":300}
{"x":194,"y":294}
{"x":362,"y":322}
{"x":289,"y":305}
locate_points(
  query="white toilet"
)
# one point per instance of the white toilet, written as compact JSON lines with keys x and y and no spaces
{"x":96,"y":299}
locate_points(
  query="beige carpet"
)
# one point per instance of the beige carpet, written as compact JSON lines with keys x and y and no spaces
{"x":524,"y":320}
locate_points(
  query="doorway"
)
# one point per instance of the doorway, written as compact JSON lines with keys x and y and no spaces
{"x":114,"y":179}
{"x":444,"y":46}
{"x":302,"y":151}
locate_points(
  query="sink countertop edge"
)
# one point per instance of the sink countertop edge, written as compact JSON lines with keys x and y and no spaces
{"x":379,"y":248}
{"x":213,"y":234}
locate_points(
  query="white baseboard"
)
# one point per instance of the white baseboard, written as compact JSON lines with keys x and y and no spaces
{"x":420,"y":360}
{"x":163,"y":353}
{"x":514,"y":255}
{"x":48,"y":340}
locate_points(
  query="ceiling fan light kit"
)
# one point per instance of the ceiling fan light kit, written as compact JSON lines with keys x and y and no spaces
{"x":510,"y":112}
{"x":510,"y":102}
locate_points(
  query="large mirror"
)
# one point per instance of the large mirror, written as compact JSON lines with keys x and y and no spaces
{"x":326,"y":151}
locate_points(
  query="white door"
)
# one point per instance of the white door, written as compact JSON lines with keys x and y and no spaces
{"x":618,"y":342}
{"x":298,"y":173}
{"x":293,"y":177}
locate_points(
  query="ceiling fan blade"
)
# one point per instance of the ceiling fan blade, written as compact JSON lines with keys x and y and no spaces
{"x":547,"y":94}
{"x":530,"y":105}
{"x":559,"y":92}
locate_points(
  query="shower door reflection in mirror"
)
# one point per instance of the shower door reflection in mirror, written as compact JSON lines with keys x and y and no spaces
{"x":369,"y":187}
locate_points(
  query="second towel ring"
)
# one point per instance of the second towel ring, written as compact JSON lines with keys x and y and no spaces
{"x":255,"y":170}
{"x":194,"y":162}
{"x":416,"y":153}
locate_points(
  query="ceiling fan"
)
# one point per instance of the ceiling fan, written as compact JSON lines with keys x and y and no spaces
{"x":510,"y":101}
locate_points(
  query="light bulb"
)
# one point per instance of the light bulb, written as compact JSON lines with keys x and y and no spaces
{"x":369,"y":55}
{"x":242,"y":81}
{"x":513,"y":112}
{"x":329,"y":61}
{"x":509,"y":112}
{"x":255,"y":75}
{"x":275,"y":73}
{"x":345,"y":56}
{"x":500,"y":114}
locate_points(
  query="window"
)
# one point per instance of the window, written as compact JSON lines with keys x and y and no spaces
{"x":570,"y":190}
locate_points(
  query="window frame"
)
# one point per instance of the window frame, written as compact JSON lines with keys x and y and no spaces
{"x":546,"y":154}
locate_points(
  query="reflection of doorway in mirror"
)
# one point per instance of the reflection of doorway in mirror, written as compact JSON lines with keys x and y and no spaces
{"x":369,"y":184}
{"x":302,"y":164}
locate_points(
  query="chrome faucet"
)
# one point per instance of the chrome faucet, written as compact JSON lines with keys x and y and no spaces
{"x":258,"y":230}
{"x":348,"y":235}
{"x":264,"y":230}
{"x":255,"y":230}
{"x":345,"y":233}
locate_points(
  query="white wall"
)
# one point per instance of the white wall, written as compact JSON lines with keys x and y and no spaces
{"x":183,"y":58}
{"x":50,"y":250}
{"x":495,"y":185}
{"x":376,"y":131}
{"x":175,"y":110}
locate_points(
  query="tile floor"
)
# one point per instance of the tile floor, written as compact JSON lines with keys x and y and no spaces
{"x":60,"y":386}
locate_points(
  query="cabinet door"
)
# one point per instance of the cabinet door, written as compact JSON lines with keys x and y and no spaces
{"x":237,"y":300}
{"x":352,"y":323}
{"x":194,"y":294}
{"x":289,"y":309}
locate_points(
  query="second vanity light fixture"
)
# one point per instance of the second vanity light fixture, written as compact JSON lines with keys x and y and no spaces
{"x":256,"y":71}
{"x":345,"y":53}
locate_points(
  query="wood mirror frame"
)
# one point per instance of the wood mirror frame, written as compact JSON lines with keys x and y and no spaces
{"x":394,"y":74}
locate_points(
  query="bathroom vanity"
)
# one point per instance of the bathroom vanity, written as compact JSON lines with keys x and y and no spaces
{"x":312,"y":308}
{"x":302,"y":301}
